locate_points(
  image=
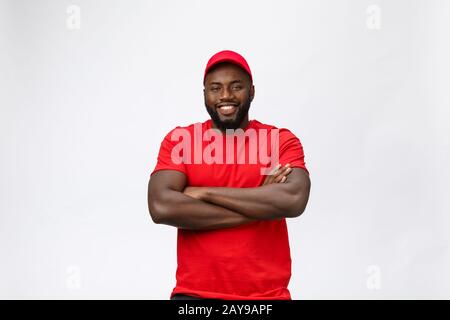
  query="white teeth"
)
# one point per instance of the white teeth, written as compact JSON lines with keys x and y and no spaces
{"x":227,"y":107}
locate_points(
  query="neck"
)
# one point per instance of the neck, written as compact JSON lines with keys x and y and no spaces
{"x":242,"y":126}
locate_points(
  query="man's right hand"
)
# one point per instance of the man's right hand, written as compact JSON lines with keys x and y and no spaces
{"x":279,"y":174}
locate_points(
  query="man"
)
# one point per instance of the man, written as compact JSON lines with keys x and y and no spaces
{"x":229,"y":211}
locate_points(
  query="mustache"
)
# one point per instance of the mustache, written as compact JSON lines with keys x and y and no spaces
{"x":228,"y":124}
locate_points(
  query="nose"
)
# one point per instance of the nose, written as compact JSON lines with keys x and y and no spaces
{"x":226,"y":94}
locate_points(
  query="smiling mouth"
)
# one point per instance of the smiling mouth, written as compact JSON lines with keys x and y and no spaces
{"x":227,"y":110}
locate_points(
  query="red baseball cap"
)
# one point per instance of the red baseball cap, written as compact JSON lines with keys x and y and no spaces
{"x":227,"y":56}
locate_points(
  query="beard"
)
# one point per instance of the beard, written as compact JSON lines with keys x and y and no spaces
{"x":229,"y":123}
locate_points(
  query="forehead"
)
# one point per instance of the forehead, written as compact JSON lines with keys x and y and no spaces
{"x":224,"y":72}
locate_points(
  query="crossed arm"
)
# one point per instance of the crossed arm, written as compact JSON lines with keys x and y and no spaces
{"x":282,"y":195}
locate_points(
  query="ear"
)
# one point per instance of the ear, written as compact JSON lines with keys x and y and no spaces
{"x":252,"y":92}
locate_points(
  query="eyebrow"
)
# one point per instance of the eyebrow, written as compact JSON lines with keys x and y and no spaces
{"x":232,"y":82}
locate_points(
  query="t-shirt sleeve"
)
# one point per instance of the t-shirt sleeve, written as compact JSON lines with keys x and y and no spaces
{"x":291,"y":150}
{"x":165,"y":161}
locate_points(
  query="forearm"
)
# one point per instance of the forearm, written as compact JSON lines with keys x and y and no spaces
{"x":181,"y":211}
{"x":272,"y":201}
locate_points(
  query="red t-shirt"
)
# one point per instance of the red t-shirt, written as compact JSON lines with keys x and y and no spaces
{"x":250,"y":261}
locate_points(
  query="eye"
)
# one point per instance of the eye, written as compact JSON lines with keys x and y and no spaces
{"x":237,"y":87}
{"x":214,"y":89}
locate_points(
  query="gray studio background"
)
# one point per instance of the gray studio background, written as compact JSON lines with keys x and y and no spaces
{"x":88,"y":89}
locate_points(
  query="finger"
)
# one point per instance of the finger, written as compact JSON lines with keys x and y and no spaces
{"x":281,"y":172}
{"x":274,"y":170}
{"x":286,"y":166}
{"x":279,"y":177}
{"x":268,"y":180}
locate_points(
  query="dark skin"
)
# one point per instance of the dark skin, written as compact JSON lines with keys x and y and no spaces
{"x":228,"y":84}
{"x":172,"y":203}
{"x":283,"y":194}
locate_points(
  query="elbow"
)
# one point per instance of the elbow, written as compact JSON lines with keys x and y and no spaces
{"x":155,"y":215}
{"x":296,"y":210}
{"x":158,"y":204}
{"x":298,"y":203}
{"x":157,"y":211}
{"x":156,"y":218}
